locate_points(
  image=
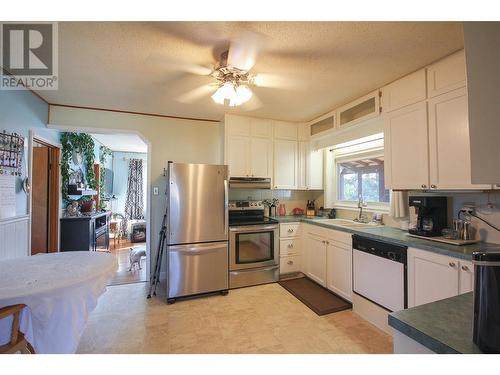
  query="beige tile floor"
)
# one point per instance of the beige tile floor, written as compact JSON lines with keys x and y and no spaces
{"x":261,"y":319}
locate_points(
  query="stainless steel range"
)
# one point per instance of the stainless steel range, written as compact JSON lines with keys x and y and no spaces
{"x":253,"y":245}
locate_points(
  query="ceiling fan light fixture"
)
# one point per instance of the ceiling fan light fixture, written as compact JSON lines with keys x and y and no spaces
{"x":243,"y":95}
{"x":224,"y":92}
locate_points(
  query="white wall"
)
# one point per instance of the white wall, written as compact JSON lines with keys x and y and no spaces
{"x":188,"y":141}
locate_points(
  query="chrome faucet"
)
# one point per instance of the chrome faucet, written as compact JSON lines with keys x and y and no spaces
{"x":361,"y":217}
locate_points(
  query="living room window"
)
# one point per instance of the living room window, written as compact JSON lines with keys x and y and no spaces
{"x":357,"y":172}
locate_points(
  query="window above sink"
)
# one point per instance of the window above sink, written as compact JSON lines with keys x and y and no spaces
{"x":356,"y":171}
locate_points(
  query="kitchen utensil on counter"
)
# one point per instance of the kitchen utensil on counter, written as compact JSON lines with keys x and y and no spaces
{"x":310,"y":208}
{"x":449,"y":233}
{"x":332,"y":214}
{"x":468,"y":232}
{"x":428,"y":215}
{"x":458,"y":227}
{"x":297,"y":211}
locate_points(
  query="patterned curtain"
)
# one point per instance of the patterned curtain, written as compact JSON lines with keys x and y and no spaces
{"x":134,"y":208}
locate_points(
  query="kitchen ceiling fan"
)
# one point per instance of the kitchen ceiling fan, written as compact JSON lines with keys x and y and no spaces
{"x":233,"y":81}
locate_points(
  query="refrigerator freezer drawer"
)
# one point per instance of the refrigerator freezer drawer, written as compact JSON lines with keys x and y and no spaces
{"x":197,"y":268}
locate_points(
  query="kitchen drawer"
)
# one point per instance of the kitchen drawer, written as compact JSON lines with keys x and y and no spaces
{"x":290,"y":246}
{"x":339,"y":236}
{"x":290,"y":230}
{"x":289,"y":264}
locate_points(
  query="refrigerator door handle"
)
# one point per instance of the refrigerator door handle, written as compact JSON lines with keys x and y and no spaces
{"x":226,"y":206}
{"x":197,"y":249}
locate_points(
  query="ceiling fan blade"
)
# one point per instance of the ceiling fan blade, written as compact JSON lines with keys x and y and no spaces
{"x":196,"y":94}
{"x":276,"y":81}
{"x":243,"y":50}
{"x":253,"y":104}
{"x":172,"y":65}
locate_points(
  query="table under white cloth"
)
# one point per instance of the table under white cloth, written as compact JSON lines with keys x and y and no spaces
{"x":60,"y":290}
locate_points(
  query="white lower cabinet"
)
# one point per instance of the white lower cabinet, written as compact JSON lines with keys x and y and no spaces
{"x":328,"y":255}
{"x":339,"y":268}
{"x":290,"y":248}
{"x":432,"y":277}
{"x":316,"y":258}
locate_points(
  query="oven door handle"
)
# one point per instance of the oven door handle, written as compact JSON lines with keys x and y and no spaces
{"x":255,"y":228}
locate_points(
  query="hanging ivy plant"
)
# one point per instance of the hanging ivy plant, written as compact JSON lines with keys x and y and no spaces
{"x":82,"y":144}
{"x":104,"y":152}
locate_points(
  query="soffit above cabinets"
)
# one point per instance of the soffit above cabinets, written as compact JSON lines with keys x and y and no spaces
{"x":315,"y":66}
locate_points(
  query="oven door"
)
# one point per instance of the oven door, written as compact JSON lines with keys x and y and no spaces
{"x":253,"y":246}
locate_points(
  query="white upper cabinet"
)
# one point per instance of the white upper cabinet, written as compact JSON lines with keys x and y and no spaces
{"x":302,"y":165}
{"x":285,"y":164}
{"x":359,"y":110}
{"x":310,"y":167}
{"x":238,"y":156}
{"x":449,"y":144}
{"x":405,"y":91}
{"x":315,"y":170}
{"x":261,"y":157}
{"x":261,"y":128}
{"x":446,"y":75}
{"x":238,"y":125}
{"x":322,"y":126}
{"x":248,"y":146}
{"x":303,"y":132}
{"x":286,"y":130}
{"x":406,"y":148}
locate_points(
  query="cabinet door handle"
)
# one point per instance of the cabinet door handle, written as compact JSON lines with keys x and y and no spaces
{"x":290,"y":230}
{"x":433,"y":186}
{"x":290,"y":245}
{"x":451,"y":264}
{"x":424,"y":186}
{"x":290,"y":262}
{"x":328,"y":242}
{"x":465,"y":268}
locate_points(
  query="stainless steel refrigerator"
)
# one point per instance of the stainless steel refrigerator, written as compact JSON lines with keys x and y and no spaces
{"x":197,"y":229}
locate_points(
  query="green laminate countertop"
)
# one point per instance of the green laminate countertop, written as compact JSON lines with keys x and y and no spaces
{"x":444,"y":326}
{"x":396,"y":236}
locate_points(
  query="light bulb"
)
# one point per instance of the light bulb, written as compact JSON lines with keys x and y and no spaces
{"x":243,"y":94}
{"x":226,"y":91}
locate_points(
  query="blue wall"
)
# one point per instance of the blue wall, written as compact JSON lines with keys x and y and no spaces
{"x":120,"y":175}
{"x":20,"y":111}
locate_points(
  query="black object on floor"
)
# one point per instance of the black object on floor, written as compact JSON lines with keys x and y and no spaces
{"x":314,"y":296}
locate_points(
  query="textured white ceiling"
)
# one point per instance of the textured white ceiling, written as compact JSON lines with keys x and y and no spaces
{"x":122,"y":142}
{"x":142,"y":67}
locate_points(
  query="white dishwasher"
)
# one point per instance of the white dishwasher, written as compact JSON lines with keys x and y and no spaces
{"x":380,"y":272}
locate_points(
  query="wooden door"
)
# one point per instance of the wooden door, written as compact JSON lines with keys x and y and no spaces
{"x":431,"y":277}
{"x":40,"y":201}
{"x":406,"y":148}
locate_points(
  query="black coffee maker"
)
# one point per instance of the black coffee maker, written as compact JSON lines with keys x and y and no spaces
{"x":486,"y":334}
{"x":428,"y":215}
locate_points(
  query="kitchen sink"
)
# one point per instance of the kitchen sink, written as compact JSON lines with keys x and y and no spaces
{"x":348,"y":223}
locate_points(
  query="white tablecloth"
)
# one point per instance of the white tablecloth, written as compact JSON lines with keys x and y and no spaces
{"x":60,"y":290}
